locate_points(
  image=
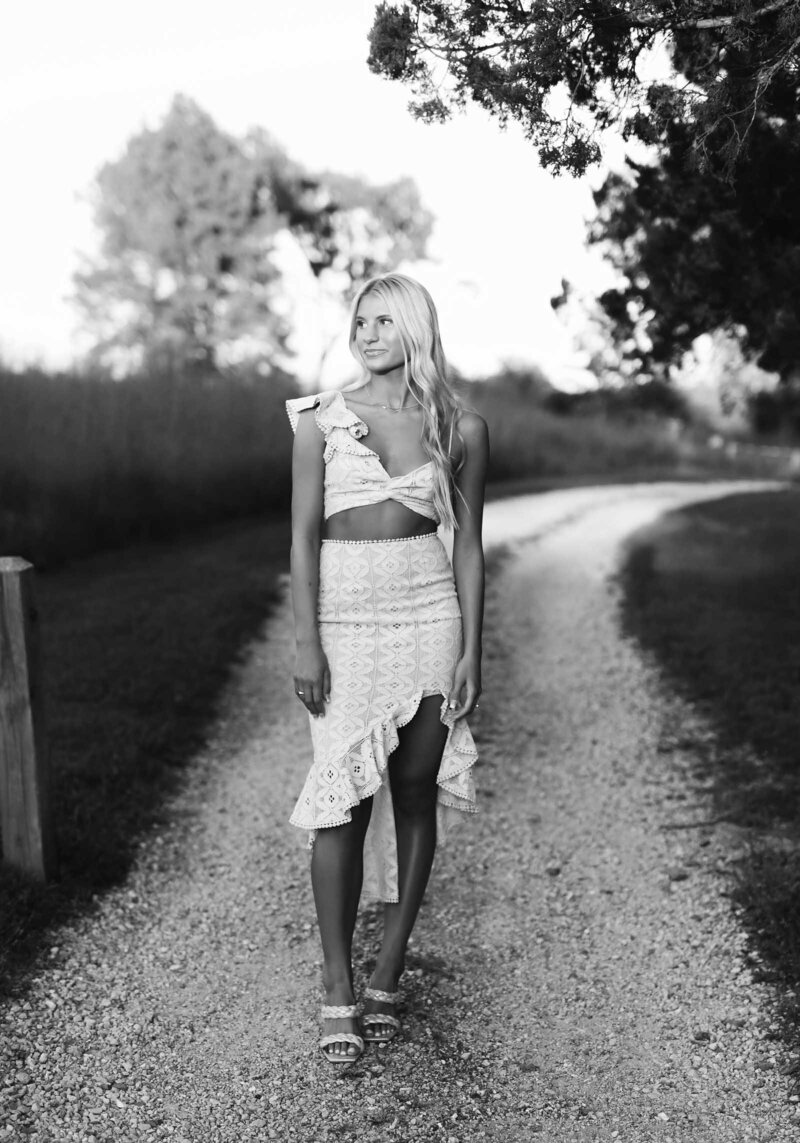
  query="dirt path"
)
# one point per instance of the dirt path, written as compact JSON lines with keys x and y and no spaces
{"x":576,"y":973}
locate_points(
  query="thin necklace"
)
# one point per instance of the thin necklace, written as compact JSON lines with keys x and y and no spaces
{"x":391,"y":409}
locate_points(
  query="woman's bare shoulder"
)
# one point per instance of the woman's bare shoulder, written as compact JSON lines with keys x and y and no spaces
{"x":473,"y":427}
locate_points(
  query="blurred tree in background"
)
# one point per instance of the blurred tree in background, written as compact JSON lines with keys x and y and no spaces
{"x":187,"y":221}
{"x":615,"y":352}
{"x":566,"y":70}
{"x":350,"y":230}
{"x":358,"y":230}
{"x":190,"y":218}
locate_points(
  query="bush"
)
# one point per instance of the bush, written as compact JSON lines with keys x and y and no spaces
{"x":531,"y":436}
{"x":776,"y":412}
{"x":654,"y":399}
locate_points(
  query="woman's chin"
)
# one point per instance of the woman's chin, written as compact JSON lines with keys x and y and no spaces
{"x":379,"y":366}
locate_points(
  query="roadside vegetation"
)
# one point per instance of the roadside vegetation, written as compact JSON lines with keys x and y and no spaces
{"x":711,"y":591}
{"x":87,"y":463}
{"x":543,"y":437}
{"x":90,"y":463}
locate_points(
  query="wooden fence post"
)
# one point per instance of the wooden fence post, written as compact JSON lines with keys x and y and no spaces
{"x":25,"y":822}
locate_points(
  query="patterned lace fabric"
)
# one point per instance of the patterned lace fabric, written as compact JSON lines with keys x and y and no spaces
{"x":354,"y":475}
{"x":391,"y":628}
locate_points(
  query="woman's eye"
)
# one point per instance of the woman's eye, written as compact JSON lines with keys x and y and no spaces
{"x":386,"y":321}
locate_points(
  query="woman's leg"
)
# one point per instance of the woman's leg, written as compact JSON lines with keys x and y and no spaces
{"x":413,"y":768}
{"x":337,"y":868}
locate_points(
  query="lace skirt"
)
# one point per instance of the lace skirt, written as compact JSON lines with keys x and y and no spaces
{"x":390,"y":626}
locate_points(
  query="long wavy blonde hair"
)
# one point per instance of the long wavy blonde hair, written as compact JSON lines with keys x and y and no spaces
{"x":411,"y":308}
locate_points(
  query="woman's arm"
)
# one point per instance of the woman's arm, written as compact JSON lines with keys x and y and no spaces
{"x":311,"y":675}
{"x":468,"y":565}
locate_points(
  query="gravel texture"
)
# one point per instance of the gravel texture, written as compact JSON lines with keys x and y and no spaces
{"x":577,"y":972}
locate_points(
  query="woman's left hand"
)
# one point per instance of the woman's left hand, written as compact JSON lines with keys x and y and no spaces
{"x":466,"y":688}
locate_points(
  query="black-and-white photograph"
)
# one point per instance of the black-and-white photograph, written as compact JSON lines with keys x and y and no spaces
{"x":400,"y":572}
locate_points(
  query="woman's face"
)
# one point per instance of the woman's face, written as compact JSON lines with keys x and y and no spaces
{"x":377,"y":337}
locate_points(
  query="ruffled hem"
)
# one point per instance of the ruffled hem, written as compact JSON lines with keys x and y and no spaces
{"x":334,"y":787}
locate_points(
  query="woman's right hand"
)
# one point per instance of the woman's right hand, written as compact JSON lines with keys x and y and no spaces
{"x":312,"y":677}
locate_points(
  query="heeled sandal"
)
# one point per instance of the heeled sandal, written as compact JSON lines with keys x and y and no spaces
{"x":340,"y":1012}
{"x":369,"y":1019}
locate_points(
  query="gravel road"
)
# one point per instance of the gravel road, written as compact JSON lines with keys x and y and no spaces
{"x":577,"y":972}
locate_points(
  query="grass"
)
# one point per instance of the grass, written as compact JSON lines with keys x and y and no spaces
{"x":138,"y":648}
{"x":713,"y":592}
{"x":88,"y":464}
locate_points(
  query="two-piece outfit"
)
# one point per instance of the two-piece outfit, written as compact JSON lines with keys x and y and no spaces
{"x":390,"y":626}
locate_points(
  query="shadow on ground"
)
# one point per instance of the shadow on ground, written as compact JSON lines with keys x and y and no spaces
{"x":138,"y":646}
{"x":713,"y":592}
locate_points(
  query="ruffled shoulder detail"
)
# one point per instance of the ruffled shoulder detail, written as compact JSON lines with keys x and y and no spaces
{"x":333,"y":413}
{"x":298,"y":405}
{"x":330,"y":411}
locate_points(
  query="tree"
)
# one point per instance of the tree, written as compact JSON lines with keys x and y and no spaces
{"x":705,"y":236}
{"x":614,"y":351}
{"x":190,"y":217}
{"x":360,"y":230}
{"x":354,"y":231}
{"x":566,"y":70}
{"x":697,"y":255}
{"x":184,"y":269}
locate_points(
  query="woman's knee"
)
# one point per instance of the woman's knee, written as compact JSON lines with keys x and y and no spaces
{"x":414,"y":797}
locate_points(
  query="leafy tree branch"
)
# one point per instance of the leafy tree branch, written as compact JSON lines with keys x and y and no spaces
{"x":567,"y":71}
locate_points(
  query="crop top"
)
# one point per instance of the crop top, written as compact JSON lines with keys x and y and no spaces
{"x":354,"y":475}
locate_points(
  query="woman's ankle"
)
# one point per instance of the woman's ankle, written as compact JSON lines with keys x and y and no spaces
{"x":338,"y":983}
{"x":386,"y":975}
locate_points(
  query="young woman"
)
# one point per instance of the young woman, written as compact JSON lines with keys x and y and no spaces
{"x":388,"y":636}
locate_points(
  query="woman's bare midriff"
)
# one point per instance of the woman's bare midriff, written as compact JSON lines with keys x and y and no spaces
{"x":388,"y":520}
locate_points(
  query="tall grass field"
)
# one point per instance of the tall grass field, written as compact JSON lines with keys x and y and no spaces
{"x":89,"y":463}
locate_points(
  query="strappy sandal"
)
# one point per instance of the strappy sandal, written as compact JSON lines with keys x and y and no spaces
{"x":369,"y":1019}
{"x":340,"y":1012}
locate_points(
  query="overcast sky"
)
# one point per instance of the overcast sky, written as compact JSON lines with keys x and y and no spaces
{"x":79,"y":79}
